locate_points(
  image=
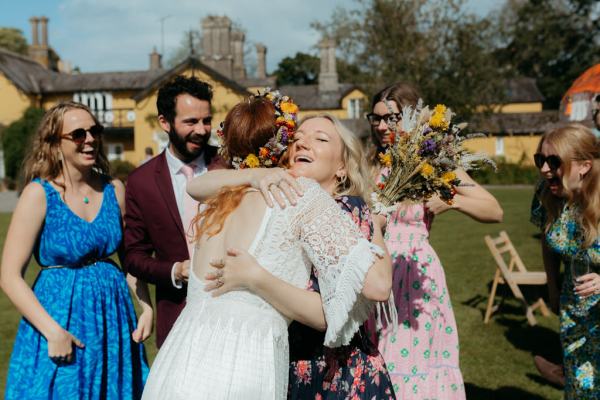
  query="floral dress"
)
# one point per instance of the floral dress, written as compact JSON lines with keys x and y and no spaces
{"x":355,"y":371}
{"x":579,"y":318}
{"x":422,"y":353}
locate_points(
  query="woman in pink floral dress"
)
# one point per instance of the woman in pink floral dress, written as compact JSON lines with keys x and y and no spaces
{"x":422,"y":353}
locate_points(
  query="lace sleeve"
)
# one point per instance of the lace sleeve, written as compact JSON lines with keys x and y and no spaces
{"x":342,"y":257}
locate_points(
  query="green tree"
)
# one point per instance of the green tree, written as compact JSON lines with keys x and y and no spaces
{"x":436,"y":45}
{"x":16,"y":138}
{"x":553,"y":41}
{"x":12,"y":39}
{"x":301,"y":69}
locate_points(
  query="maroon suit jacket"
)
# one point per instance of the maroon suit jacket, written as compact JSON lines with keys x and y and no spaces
{"x":154,"y":237}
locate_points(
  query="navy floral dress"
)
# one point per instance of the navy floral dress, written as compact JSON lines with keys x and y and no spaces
{"x":579,"y":318}
{"x":87,"y":294}
{"x":355,"y":371}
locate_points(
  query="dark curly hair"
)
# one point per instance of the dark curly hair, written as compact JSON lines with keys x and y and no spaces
{"x":167,"y":94}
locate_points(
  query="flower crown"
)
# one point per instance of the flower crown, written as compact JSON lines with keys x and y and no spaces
{"x":286,"y":119}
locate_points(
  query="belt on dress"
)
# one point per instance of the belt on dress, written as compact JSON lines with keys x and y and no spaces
{"x":85,"y":263}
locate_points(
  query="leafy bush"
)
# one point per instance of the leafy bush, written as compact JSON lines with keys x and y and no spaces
{"x":507,"y":174}
{"x":16,"y":138}
{"x":121,"y":169}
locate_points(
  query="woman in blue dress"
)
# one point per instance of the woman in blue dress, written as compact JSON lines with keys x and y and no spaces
{"x":569,"y":161}
{"x":78,"y":337}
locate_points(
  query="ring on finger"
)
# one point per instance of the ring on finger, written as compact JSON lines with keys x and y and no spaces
{"x":220,"y":282}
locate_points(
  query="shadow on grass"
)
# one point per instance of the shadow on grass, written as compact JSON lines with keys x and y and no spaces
{"x":475,"y":392}
{"x":537,"y":340}
{"x":503,"y":293}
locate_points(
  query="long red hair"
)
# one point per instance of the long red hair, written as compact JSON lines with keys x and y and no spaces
{"x":247,"y":127}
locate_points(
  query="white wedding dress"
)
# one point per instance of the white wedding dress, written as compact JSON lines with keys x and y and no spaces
{"x":235,"y":346}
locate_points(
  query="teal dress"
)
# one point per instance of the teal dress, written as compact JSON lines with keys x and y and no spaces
{"x":88,"y":296}
{"x":579,"y":318}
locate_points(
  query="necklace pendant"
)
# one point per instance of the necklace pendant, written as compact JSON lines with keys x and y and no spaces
{"x":86,"y":200}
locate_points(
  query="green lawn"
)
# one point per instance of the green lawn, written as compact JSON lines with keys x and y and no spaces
{"x":496,"y":359}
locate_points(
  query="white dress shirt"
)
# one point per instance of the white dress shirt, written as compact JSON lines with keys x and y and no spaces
{"x":179,"y":182}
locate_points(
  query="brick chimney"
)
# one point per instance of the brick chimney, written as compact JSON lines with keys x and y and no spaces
{"x":44,"y":24}
{"x":35,"y":41}
{"x":328,"y":77}
{"x":261,"y":61}
{"x":40,"y":49}
{"x":237,"y":45}
{"x":216,"y":44}
{"x":155,"y":60}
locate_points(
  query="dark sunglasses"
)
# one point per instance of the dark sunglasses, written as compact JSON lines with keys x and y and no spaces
{"x":79,"y":135}
{"x":375,"y":119}
{"x":554,"y":162}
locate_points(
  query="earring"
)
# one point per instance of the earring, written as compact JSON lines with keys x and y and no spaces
{"x":342,"y":179}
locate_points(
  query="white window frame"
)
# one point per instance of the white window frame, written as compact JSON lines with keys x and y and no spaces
{"x":499,"y":145}
{"x":115,"y":151}
{"x":354,"y":108}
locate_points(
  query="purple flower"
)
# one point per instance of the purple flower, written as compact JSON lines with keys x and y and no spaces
{"x":429,"y":146}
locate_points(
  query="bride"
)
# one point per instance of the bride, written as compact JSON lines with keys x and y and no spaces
{"x":235,"y":346}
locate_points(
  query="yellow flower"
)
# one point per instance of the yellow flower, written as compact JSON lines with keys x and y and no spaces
{"x":426,"y":170}
{"x":385,"y":159}
{"x":448,"y":177}
{"x":440,"y":109}
{"x":438,"y":118}
{"x":252,"y":161}
{"x":289,"y":108}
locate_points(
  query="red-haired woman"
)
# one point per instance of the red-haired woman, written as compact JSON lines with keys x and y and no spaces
{"x":235,"y":345}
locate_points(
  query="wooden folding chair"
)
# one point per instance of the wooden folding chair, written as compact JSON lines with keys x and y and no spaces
{"x":502,"y":249}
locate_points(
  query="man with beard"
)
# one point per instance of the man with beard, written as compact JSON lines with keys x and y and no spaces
{"x":158,"y":208}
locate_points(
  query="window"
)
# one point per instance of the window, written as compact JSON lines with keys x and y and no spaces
{"x":354,"y":108}
{"x":115,"y":151}
{"x":499,"y":146}
{"x":99,"y":102}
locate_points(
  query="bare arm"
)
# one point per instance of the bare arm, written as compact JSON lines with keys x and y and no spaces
{"x":270,"y":181}
{"x":378,"y":282}
{"x":25,"y":226}
{"x":239,"y":270}
{"x":138,"y":287}
{"x":471,"y":199}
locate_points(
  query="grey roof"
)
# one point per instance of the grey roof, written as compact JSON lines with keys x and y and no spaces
{"x":113,"y":81}
{"x":514,"y":123}
{"x":194,"y":63}
{"x":270,"y":81}
{"x":23,"y":71}
{"x":308,"y":96}
{"x":523,"y":90}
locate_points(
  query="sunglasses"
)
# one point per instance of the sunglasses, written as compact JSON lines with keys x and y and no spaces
{"x":375,"y":119}
{"x":554,"y":162}
{"x":79,"y":135}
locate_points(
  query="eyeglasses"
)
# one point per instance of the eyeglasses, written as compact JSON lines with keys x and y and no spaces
{"x":79,"y":135}
{"x":554,"y":162}
{"x":375,"y":119}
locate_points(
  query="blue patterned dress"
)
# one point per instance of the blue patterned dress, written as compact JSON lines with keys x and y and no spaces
{"x":579,"y":318}
{"x":89,"y":297}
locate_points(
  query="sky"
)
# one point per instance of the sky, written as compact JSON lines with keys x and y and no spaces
{"x":118,"y":35}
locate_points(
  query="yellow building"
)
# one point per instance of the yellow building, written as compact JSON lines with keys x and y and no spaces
{"x":513,"y":129}
{"x":125,"y":102}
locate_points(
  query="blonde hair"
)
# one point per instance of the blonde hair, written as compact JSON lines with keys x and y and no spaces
{"x":44,"y":160}
{"x":575,"y":142}
{"x":357,"y":182}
